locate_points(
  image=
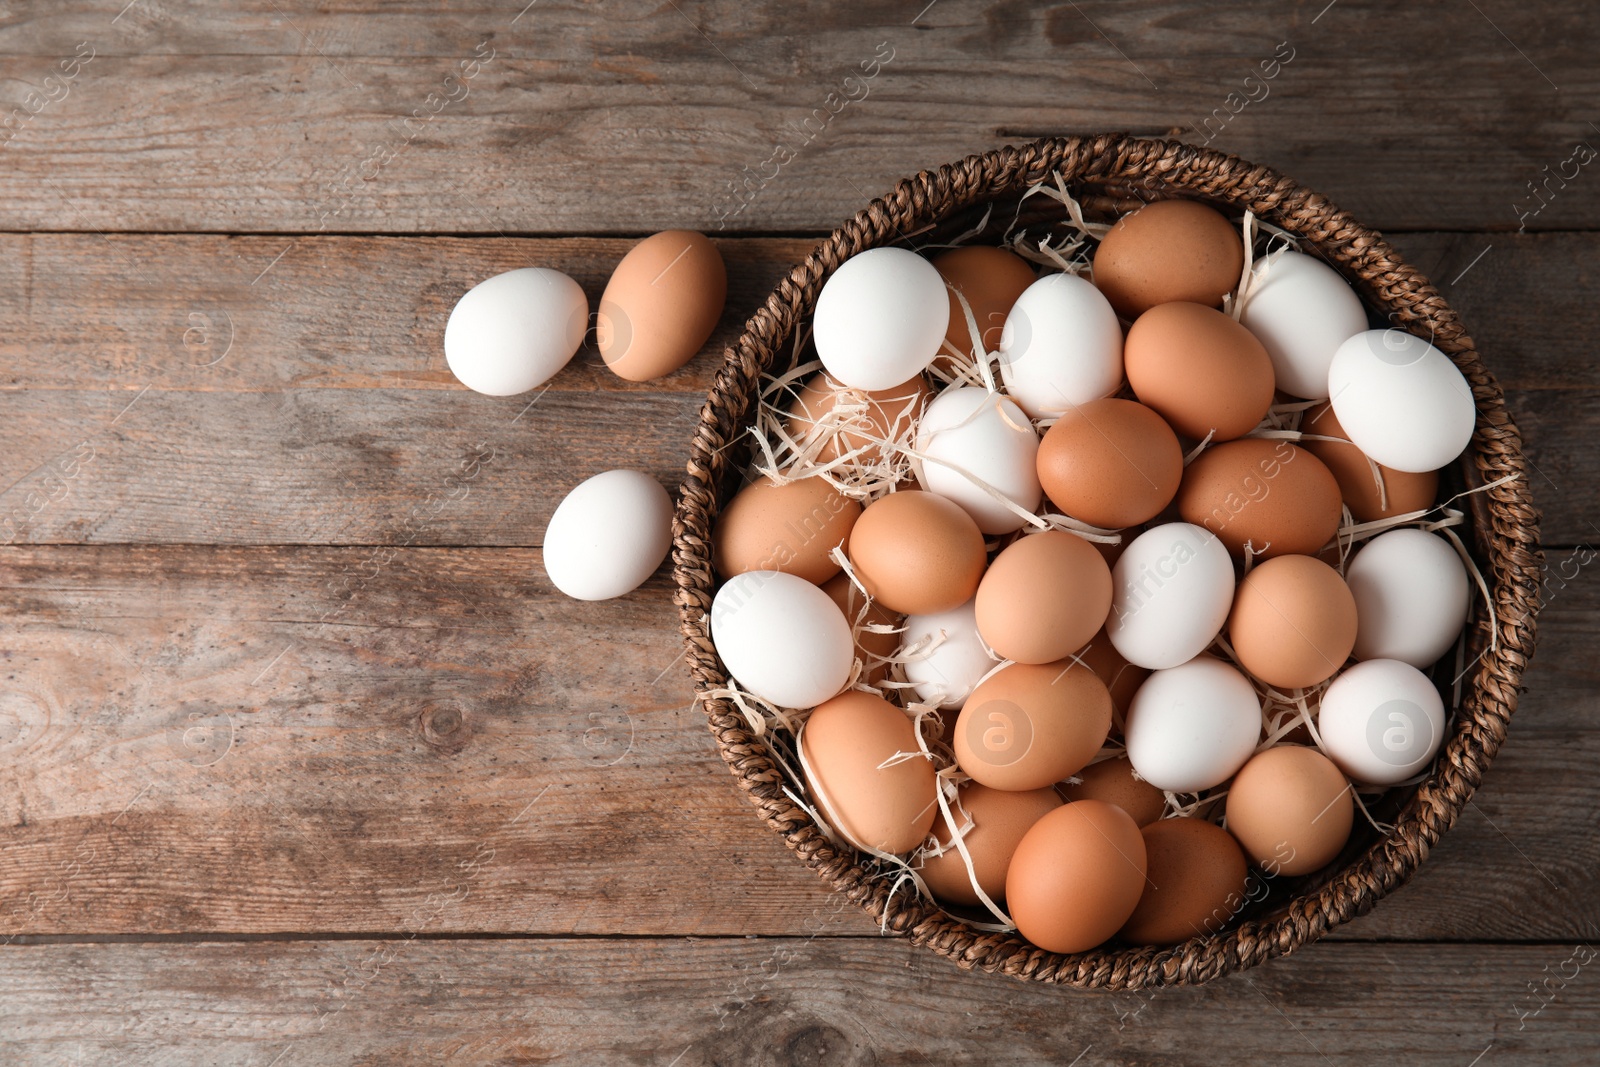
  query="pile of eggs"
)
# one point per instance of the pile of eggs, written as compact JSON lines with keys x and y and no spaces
{"x":1047,"y":667}
{"x":513,"y":332}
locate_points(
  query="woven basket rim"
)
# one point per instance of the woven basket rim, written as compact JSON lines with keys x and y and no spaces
{"x":1503,"y":520}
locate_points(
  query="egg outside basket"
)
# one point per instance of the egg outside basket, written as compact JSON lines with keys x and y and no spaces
{"x":1501,"y":532}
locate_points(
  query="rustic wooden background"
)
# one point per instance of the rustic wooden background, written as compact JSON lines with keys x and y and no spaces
{"x":302,"y":759}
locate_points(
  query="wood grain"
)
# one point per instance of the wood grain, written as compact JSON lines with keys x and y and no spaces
{"x":239,"y":355}
{"x":773,"y":1003}
{"x":264,"y":118}
{"x":249,"y":741}
{"x":288,"y":779}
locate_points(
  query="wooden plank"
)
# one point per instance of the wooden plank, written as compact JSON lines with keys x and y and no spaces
{"x":214,"y":313}
{"x":236,"y":354}
{"x":320,"y":466}
{"x":277,"y":118}
{"x":772,"y":1002}
{"x":307,"y":739}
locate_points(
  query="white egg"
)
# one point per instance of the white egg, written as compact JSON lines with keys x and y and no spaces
{"x":971,"y":431}
{"x":1412,"y":593}
{"x":1401,"y":400}
{"x":1061,"y":346}
{"x":945,"y":675}
{"x":1301,"y":311}
{"x":1192,"y":726}
{"x":608,"y":535}
{"x":782,"y":638}
{"x":1381,"y":721}
{"x":1171,"y":590}
{"x":513,"y":332}
{"x":880,"y":318}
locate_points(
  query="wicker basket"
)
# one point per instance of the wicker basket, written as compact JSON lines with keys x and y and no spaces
{"x":1503,"y":525}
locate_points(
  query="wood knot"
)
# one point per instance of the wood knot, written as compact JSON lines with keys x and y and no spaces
{"x":821,"y":1043}
{"x":444,"y":726}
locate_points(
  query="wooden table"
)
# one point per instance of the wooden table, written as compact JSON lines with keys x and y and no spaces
{"x":305,"y":762}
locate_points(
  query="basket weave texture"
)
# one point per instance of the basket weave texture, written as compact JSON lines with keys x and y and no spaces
{"x":1503,"y":524}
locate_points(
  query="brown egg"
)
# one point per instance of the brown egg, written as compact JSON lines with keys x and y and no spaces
{"x":917,"y":553}
{"x":1404,"y":491}
{"x":1293,"y":622}
{"x":847,"y":740}
{"x":885,"y":414}
{"x":1110,"y":463}
{"x":1196,"y":879}
{"x":1273,"y":494}
{"x":999,"y":821}
{"x":1168,"y":250}
{"x":1121,"y":677}
{"x":1112,"y":781}
{"x":661,"y":304}
{"x":1076,"y":876}
{"x":991,"y":279}
{"x":791,"y":528}
{"x":1291,"y":810}
{"x":1199,"y":370}
{"x":1028,"y":726}
{"x":871,"y":648}
{"x":1043,"y":597}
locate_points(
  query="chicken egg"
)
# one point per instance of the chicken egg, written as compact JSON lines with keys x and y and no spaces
{"x":661,"y":304}
{"x":514,"y":331}
{"x":1196,"y":877}
{"x":1302,"y":311}
{"x":991,"y":280}
{"x":880,"y":318}
{"x":1062,"y":346}
{"x":1401,"y":400}
{"x":1293,"y":622}
{"x":1403,"y":491}
{"x":1170,"y":594}
{"x":1271,"y":495}
{"x":1200,"y":370}
{"x":973,"y":432}
{"x":1076,"y":876}
{"x":608,"y":535}
{"x":917,"y":553}
{"x":1381,"y":721}
{"x":870,"y":418}
{"x":1412,"y":594}
{"x":1028,"y":726}
{"x":790,"y":527}
{"x":782,"y":638}
{"x":873,"y":649}
{"x":1168,"y":250}
{"x":1121,"y":677}
{"x":1110,"y":463}
{"x":1113,"y":781}
{"x":1043,"y":597}
{"x":1290,"y":809}
{"x":1192,"y":726}
{"x":874,"y":799}
{"x":944,"y":671}
{"x":999,"y":820}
